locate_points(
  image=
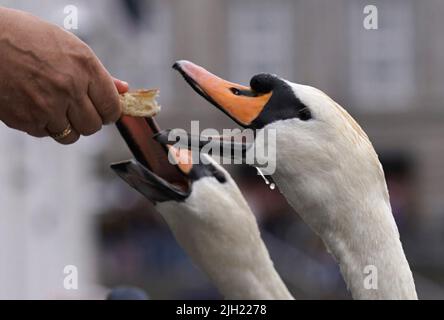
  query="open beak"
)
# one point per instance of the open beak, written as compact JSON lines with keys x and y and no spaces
{"x":151,"y":173}
{"x":239,"y":102}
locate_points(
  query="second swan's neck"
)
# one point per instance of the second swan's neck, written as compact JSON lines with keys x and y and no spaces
{"x":233,"y":255}
{"x":219,"y":232}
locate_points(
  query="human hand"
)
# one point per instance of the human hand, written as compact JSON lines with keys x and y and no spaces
{"x":50,"y":80}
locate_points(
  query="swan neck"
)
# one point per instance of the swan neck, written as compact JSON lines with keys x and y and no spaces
{"x":370,"y":255}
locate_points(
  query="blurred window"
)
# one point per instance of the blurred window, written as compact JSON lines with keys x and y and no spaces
{"x":260,"y":38}
{"x":146,"y":46}
{"x":382,"y":73}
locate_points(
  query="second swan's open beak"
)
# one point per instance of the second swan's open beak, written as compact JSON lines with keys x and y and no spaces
{"x":151,"y":173}
{"x":160,"y":171}
{"x":239,"y":102}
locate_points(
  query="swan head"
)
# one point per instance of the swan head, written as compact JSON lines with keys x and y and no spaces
{"x":194,"y":196}
{"x":320,"y":149}
{"x":152,"y":173}
{"x":326,"y":167}
{"x":267,"y":99}
{"x":205,"y":211}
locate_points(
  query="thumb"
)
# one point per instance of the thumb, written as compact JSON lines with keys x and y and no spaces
{"x":121,"y":86}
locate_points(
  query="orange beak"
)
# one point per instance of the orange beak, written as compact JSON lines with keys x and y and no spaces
{"x":138,"y":134}
{"x":183,"y":158}
{"x":241,"y":103}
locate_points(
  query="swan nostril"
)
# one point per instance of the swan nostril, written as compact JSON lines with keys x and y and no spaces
{"x":235,"y":91}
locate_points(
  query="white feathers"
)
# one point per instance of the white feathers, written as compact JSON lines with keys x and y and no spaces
{"x":330,"y":174}
{"x":219,"y":232}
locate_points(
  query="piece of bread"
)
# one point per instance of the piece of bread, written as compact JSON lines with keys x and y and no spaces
{"x":140,"y":103}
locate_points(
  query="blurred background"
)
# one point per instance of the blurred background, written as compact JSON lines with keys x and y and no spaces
{"x":63,"y":206}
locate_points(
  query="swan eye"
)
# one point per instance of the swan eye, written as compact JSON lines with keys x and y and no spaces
{"x":263,"y":83}
{"x":305,"y":114}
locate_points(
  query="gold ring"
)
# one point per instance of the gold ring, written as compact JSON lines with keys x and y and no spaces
{"x":63,"y":134}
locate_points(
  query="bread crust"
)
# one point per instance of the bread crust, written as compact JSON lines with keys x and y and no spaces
{"x":140,"y":103}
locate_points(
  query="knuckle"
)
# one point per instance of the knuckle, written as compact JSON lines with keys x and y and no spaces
{"x":67,"y":82}
{"x":110,"y":111}
{"x":41,"y":112}
{"x":36,"y":132}
{"x":25,"y":120}
{"x":91,"y":129}
{"x":87,"y":58}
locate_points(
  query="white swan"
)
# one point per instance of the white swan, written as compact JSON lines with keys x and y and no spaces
{"x":206,"y":212}
{"x":328,"y":171}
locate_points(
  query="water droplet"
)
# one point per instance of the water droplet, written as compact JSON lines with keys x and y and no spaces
{"x":272,"y":185}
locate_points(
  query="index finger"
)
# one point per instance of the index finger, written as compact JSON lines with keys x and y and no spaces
{"x":104,"y":95}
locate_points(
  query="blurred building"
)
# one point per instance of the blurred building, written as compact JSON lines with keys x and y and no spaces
{"x":389,"y":79}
